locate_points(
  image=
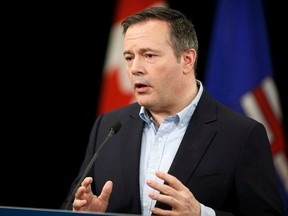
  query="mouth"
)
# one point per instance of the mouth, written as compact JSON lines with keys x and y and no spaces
{"x":140,"y":87}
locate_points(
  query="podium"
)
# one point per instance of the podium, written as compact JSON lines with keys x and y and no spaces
{"x":19,"y":211}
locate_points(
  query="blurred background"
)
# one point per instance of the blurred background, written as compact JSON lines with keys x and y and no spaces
{"x":52,"y":57}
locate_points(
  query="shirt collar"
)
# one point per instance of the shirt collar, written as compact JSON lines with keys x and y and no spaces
{"x":181,"y":117}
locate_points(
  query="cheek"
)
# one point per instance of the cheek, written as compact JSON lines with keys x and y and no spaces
{"x":173,"y":73}
{"x":129,"y":73}
{"x":131,"y":80}
{"x":174,"y":80}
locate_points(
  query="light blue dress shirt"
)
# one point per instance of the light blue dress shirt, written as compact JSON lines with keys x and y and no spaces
{"x":159,"y":147}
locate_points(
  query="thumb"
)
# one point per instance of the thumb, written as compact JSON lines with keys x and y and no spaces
{"x":106,"y":191}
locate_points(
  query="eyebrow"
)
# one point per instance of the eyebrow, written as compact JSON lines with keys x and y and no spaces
{"x":142,"y":50}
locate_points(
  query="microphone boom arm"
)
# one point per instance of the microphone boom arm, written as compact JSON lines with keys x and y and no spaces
{"x":113,"y":130}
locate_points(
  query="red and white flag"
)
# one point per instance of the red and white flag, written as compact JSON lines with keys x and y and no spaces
{"x":115,"y":89}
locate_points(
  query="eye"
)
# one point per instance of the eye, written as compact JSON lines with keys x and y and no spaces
{"x":148,"y":55}
{"x":128,"y":58}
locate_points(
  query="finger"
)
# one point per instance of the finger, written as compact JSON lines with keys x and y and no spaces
{"x":170,"y":180}
{"x":84,"y":188}
{"x":79,"y":204}
{"x":106,"y":191}
{"x":164,"y":198}
{"x":87,"y":181}
{"x":167,"y":194}
{"x":87,"y":184}
{"x":80,"y":191}
{"x":158,"y":211}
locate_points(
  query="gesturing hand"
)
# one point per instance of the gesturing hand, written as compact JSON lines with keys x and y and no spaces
{"x":174,"y":194}
{"x":85,"y":200}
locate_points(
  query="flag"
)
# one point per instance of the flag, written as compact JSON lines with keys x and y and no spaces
{"x":115,"y":89}
{"x":239,"y":73}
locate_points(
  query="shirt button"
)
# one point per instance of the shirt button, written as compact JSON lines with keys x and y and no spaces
{"x":145,"y":204}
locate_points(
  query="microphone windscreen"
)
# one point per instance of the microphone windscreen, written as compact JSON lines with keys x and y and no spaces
{"x":116,"y":127}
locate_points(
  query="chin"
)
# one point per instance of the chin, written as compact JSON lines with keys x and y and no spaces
{"x":144,"y":100}
{"x":143,"y":103}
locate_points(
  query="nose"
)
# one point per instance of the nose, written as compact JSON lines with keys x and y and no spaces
{"x":136,"y":67}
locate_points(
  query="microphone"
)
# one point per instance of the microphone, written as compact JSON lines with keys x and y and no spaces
{"x":113,"y":130}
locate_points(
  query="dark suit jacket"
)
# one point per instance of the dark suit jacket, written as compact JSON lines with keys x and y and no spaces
{"x":224,"y":159}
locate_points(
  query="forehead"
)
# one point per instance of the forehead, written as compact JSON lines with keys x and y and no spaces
{"x":148,"y":31}
{"x":149,"y":23}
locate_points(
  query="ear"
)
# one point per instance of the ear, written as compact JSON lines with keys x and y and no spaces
{"x":188,"y":60}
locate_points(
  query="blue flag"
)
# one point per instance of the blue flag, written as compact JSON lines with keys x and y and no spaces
{"x":239,"y":73}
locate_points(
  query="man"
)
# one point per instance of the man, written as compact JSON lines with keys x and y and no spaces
{"x":179,"y":151}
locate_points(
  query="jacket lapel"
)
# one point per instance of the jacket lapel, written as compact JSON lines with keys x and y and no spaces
{"x":196,"y":140}
{"x":131,"y":142}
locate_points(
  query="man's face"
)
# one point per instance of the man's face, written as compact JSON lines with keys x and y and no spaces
{"x":154,"y":71}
